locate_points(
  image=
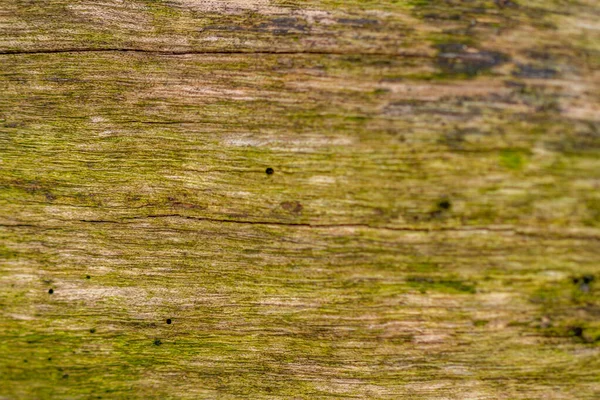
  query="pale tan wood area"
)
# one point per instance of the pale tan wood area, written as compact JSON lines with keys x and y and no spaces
{"x":299,"y":200}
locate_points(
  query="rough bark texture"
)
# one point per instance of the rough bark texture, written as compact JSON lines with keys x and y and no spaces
{"x":430,"y":228}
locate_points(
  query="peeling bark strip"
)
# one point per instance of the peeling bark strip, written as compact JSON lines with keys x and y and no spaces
{"x":267,"y":199}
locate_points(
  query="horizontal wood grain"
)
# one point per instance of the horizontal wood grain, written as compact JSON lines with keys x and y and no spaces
{"x":362,"y":199}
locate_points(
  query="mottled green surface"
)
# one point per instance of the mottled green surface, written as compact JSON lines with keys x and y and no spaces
{"x":431,"y":229}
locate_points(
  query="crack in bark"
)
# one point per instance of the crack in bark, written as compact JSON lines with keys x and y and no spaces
{"x":277,"y":223}
{"x":210,"y":52}
{"x":19,"y":226}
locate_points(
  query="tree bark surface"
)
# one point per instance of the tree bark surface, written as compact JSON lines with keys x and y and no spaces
{"x":299,"y":199}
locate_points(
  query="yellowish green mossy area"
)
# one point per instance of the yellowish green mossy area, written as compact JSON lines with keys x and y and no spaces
{"x":325,"y":199}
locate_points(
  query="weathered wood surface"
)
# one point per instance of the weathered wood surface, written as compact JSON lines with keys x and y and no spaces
{"x":431,"y":229}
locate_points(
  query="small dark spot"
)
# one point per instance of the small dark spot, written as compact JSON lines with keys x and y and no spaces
{"x":584,"y":282}
{"x":51,"y":291}
{"x":88,"y":277}
{"x":49,"y":358}
{"x":169,"y":321}
{"x":157,"y":342}
{"x":270,"y":171}
{"x":65,"y":376}
{"x":92,"y":330}
{"x":587,"y":278}
{"x":445,"y":204}
{"x":577,"y":331}
{"x":24,"y":361}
